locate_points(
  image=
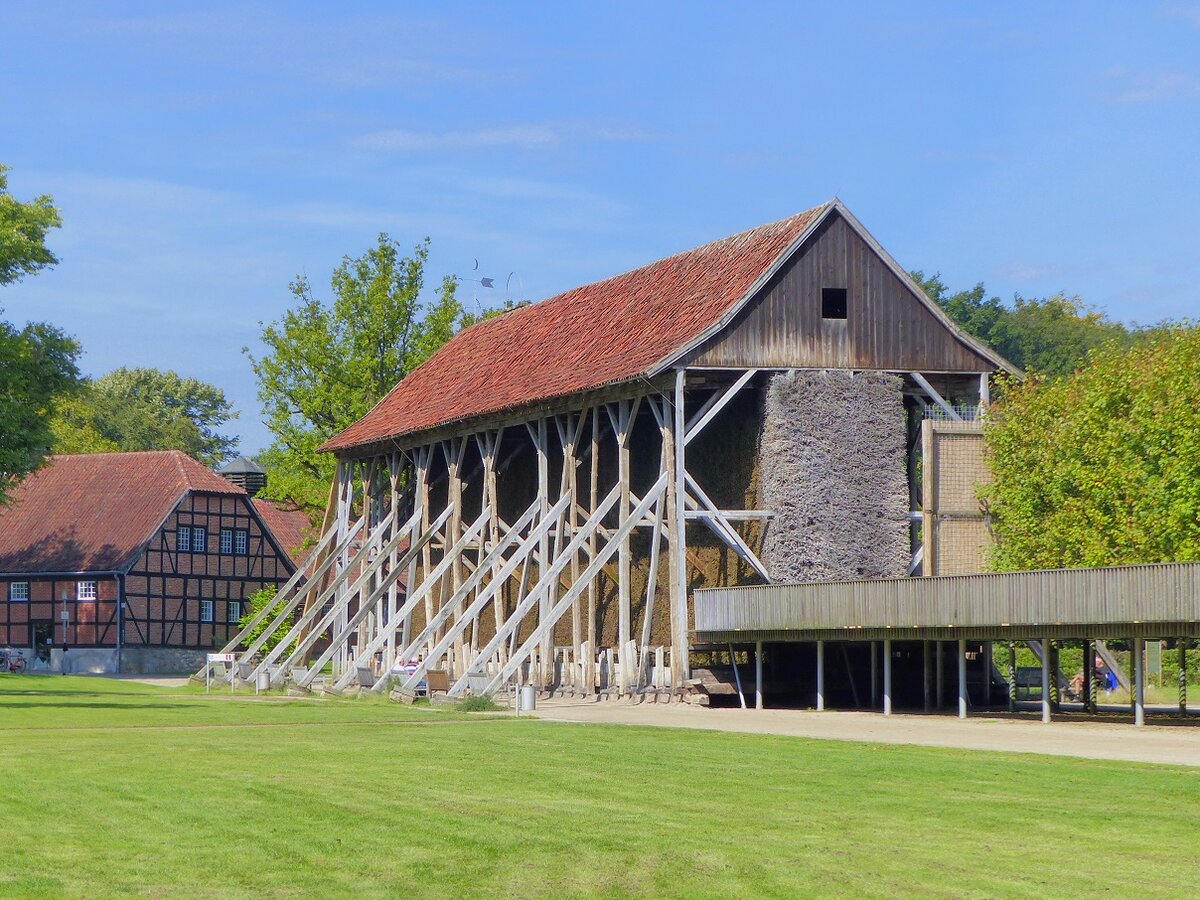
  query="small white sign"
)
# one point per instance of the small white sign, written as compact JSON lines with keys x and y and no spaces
{"x":221,"y":657}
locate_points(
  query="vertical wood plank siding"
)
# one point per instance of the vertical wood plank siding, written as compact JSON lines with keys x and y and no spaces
{"x":1145,"y":596}
{"x":886,"y":326}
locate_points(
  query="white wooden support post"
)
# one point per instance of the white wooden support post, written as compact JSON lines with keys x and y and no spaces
{"x":624,"y":556}
{"x":962,"y":678}
{"x":537,"y":676}
{"x":394,"y":467}
{"x":593,"y":591}
{"x":1139,"y":682}
{"x":820,"y":674}
{"x":1045,"y":681}
{"x":887,"y":677}
{"x":758,"y":672}
{"x":457,"y":453}
{"x":680,"y":670}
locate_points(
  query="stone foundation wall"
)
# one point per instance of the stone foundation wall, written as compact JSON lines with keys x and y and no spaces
{"x":833,"y":470}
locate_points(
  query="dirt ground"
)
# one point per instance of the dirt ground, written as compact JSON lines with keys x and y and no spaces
{"x":1162,"y":740}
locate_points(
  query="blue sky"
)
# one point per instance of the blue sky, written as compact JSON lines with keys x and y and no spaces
{"x":203,"y":155}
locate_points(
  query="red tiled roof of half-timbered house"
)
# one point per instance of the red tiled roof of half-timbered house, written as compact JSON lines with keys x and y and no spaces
{"x":595,"y":335}
{"x":291,"y":527}
{"x":94,"y":512}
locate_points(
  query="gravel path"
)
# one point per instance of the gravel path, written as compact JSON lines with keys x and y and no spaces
{"x":1161,"y":742}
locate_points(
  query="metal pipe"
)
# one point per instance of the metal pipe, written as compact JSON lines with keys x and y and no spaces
{"x":962,"y":678}
{"x":758,"y":667}
{"x":820,"y":674}
{"x":887,"y":677}
{"x":1045,"y":681}
{"x":1139,"y":682}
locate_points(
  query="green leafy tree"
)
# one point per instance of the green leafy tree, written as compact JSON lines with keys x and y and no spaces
{"x":1101,"y":467}
{"x":1051,"y":336}
{"x":256,"y":603}
{"x":146,"y":409}
{"x":23,"y":230}
{"x":38,"y":363}
{"x":328,"y":363}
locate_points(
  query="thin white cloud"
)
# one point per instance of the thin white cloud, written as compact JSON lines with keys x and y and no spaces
{"x":1134,"y":86}
{"x":528,"y":136}
{"x":1187,"y":12}
{"x":1026,"y":271}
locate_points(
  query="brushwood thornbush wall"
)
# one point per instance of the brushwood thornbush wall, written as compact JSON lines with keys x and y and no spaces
{"x":833,"y":470}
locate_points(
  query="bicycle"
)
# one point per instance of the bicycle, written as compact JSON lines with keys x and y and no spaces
{"x":12,"y":660}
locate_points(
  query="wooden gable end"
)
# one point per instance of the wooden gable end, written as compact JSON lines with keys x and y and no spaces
{"x":886,"y":326}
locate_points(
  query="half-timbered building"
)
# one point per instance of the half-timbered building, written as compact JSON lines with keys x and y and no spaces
{"x":539,"y":500}
{"x":130,"y":562}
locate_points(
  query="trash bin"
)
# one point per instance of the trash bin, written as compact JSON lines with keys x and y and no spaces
{"x":528,"y":698}
{"x":264,"y":681}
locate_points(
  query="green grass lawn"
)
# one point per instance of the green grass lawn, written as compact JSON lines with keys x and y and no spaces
{"x":116,"y":789}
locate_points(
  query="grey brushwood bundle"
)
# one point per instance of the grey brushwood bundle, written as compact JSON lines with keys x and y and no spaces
{"x":833,"y":451}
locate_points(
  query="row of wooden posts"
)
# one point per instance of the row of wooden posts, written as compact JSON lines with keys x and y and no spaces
{"x":397,"y":577}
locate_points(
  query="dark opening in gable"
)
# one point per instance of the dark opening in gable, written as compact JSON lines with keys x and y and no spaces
{"x":833,"y":303}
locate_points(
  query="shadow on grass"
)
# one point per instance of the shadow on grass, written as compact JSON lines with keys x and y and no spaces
{"x":39,"y":704}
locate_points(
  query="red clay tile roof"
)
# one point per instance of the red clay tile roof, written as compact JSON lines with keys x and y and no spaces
{"x":94,"y":512}
{"x":291,"y":527}
{"x":610,"y":331}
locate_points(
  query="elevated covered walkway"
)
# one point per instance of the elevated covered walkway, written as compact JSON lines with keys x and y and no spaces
{"x":1137,"y":603}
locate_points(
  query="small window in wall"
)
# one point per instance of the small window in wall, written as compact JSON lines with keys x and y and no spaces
{"x":241,"y":539}
{"x":199,"y":540}
{"x":18,"y":591}
{"x":183,"y":538}
{"x":833,"y":303}
{"x":85,"y":590}
{"x":226,"y":540}
{"x":235,"y":612}
{"x":206,"y":610}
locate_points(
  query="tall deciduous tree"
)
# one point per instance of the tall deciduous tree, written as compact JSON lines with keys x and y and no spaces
{"x":1101,"y":467}
{"x":327,"y":364}
{"x":23,"y":230}
{"x":38,"y":363}
{"x":1051,"y":336}
{"x":146,"y":409}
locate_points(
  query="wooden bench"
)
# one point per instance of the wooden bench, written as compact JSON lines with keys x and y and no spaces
{"x":1029,"y":678}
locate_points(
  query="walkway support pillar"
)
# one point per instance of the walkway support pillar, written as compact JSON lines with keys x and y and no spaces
{"x":1012,"y":676}
{"x":1139,"y":682}
{"x":820,"y":674}
{"x":758,"y":687}
{"x":962,"y":678}
{"x":1089,"y":668}
{"x":1045,"y":680}
{"x":887,"y":677}
{"x":1183,"y":678}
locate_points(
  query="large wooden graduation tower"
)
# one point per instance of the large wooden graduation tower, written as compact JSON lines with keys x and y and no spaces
{"x":537,"y":501}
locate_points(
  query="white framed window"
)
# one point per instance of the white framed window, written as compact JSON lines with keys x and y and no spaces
{"x":199,"y":539}
{"x":240,"y":541}
{"x":85,"y":590}
{"x":183,"y":538}
{"x":18,"y":591}
{"x":206,"y":610}
{"x":226,"y":540}
{"x":234,"y":613}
